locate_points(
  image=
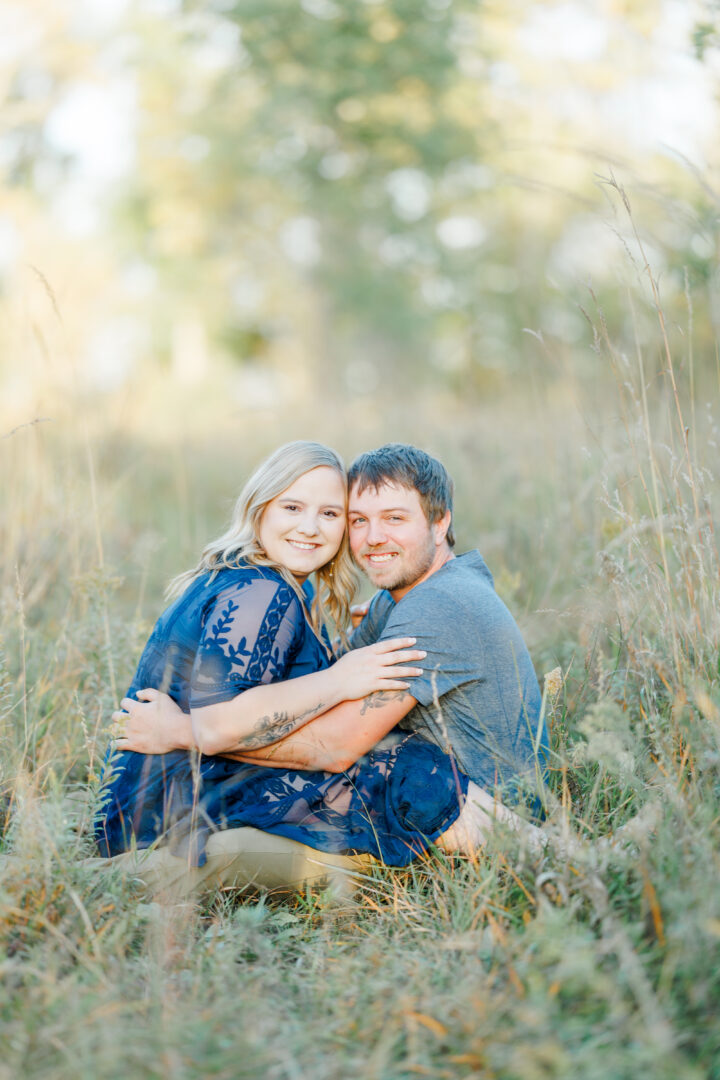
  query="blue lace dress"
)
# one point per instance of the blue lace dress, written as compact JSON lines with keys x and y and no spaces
{"x":244,"y":627}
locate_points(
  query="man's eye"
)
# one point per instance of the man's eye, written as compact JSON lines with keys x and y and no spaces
{"x":358,"y":521}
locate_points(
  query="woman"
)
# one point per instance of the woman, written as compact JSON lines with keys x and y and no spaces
{"x":246,"y":622}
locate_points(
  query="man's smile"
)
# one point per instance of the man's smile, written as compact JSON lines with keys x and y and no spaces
{"x":380,"y":556}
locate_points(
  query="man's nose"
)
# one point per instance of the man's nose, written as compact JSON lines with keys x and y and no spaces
{"x":376,"y":533}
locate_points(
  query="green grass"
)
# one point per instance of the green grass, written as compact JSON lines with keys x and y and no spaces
{"x":597,"y":519}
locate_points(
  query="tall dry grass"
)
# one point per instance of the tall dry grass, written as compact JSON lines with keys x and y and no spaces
{"x":594,"y":501}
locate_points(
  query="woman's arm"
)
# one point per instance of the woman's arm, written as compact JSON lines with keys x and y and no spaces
{"x":263,"y":714}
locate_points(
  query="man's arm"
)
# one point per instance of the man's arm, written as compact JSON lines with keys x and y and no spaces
{"x":334,"y":741}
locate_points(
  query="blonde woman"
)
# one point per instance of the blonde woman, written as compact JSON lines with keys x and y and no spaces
{"x":248,"y":626}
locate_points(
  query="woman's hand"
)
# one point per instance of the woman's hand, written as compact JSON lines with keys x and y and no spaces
{"x":153,"y":725}
{"x":377,"y":667}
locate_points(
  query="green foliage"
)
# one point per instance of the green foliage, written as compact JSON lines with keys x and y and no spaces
{"x":341,"y":123}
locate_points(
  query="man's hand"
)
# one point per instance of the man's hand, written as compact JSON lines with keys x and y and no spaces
{"x":358,"y":613}
{"x":153,"y":725}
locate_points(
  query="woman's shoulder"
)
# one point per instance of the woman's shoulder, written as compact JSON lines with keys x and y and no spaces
{"x":260,"y":586}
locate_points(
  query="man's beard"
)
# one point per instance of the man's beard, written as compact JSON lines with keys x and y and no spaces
{"x":406,"y":574}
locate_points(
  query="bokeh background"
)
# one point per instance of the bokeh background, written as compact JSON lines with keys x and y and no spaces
{"x":224,"y":225}
{"x":487,"y":228}
{"x":361,"y":201}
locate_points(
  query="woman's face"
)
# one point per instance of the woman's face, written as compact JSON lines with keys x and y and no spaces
{"x":302,"y":528}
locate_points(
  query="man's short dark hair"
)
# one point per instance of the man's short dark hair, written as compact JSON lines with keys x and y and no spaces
{"x":406,"y":466}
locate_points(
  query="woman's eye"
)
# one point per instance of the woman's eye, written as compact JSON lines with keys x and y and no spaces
{"x":291,"y":506}
{"x":331,"y":513}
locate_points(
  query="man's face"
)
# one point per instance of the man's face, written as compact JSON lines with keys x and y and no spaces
{"x":390,"y":536}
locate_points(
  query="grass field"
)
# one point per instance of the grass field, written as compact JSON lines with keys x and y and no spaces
{"x":594,"y":507}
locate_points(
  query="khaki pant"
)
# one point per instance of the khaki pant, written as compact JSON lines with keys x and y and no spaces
{"x":245,"y":859}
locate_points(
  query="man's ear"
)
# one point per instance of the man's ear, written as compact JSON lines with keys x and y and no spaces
{"x":441,"y":526}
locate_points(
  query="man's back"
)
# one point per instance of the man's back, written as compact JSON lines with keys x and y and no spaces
{"x":479,"y":697}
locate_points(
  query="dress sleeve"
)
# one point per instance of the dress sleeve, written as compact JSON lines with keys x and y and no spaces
{"x":251,"y":635}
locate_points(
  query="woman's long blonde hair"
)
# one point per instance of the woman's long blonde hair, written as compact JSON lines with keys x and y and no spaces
{"x":335,"y":582}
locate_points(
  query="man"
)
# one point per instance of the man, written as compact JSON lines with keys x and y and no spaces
{"x":478,"y":698}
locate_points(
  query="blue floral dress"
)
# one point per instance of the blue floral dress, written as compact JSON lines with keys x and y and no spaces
{"x":225,"y":634}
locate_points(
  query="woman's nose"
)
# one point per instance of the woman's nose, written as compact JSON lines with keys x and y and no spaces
{"x":308,"y":525}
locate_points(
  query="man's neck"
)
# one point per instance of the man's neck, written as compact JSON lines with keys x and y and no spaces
{"x":443,"y":555}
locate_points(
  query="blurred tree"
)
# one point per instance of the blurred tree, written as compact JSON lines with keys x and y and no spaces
{"x":706,"y":32}
{"x":396,"y":185}
{"x":372,"y":194}
{"x":311,"y":146}
{"x":40,"y":57}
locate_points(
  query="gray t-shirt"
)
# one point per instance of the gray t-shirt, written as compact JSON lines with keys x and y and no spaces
{"x":479,"y":696}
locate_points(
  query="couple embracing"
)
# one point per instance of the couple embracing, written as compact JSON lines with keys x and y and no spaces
{"x":419,"y":727}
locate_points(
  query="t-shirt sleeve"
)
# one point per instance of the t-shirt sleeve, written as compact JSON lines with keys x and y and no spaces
{"x":451,"y":660}
{"x":250,"y":636}
{"x":370,"y":629}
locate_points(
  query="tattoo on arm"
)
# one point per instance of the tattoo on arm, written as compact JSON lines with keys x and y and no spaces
{"x":272,"y":728}
{"x":380,"y":698}
{"x":268,"y":729}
